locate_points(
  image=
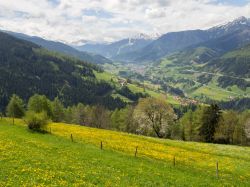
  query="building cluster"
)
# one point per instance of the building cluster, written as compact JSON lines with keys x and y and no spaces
{"x":185,"y":101}
{"x":122,"y":82}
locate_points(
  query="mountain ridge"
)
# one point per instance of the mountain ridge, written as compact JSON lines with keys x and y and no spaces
{"x":62,"y":48}
{"x":167,"y":43}
{"x":120,"y":47}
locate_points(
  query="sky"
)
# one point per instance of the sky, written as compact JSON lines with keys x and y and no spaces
{"x":110,"y":20}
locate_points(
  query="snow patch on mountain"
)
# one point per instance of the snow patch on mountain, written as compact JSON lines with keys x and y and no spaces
{"x":137,"y":39}
{"x":239,"y":21}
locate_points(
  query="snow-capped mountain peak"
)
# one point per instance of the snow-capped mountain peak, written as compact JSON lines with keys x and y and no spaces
{"x":232,"y":26}
{"x":143,"y":36}
{"x":241,"y":20}
{"x":237,"y":22}
{"x":85,"y":42}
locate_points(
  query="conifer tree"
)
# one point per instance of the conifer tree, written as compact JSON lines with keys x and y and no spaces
{"x":210,"y":119}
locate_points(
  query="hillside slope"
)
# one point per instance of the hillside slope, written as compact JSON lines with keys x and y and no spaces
{"x":26,"y":69}
{"x":212,"y":49}
{"x":55,"y":160}
{"x":234,"y":63}
{"x":169,"y":43}
{"x":222,"y":38}
{"x":63,"y":48}
{"x":116,"y":49}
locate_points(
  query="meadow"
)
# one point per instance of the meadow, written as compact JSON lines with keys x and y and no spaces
{"x":151,"y":89}
{"x":35,"y":159}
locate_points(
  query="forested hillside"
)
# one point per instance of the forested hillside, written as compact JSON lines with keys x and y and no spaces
{"x":26,"y":69}
{"x":63,"y":48}
{"x":234,"y":63}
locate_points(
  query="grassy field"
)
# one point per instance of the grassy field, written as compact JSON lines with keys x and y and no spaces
{"x":29,"y":159}
{"x":134,"y":88}
{"x":214,"y":92}
{"x":151,"y":90}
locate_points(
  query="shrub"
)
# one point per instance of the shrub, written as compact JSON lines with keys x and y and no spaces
{"x":36,"y":121}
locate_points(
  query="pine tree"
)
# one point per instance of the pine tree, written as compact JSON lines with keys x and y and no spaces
{"x":210,"y":119}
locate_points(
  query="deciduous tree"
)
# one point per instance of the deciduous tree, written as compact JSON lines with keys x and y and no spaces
{"x":40,"y":103}
{"x":15,"y":107}
{"x":155,"y":114}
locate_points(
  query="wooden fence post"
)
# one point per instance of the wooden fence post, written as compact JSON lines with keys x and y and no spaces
{"x":217,"y":169}
{"x":13,"y":121}
{"x":136,"y":151}
{"x":71,"y":138}
{"x":101,"y":145}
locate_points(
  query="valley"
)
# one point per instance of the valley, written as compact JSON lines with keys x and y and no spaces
{"x":215,"y":68}
{"x":87,"y":98}
{"x":204,"y":69}
{"x":184,"y":78}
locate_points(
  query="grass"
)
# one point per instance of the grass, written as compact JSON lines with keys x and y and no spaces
{"x":134,"y":88}
{"x":213,"y":91}
{"x":29,"y":159}
{"x":125,"y":99}
{"x":104,"y":76}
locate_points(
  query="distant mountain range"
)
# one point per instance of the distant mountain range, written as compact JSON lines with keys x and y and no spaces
{"x":222,"y":38}
{"x":62,"y":48}
{"x":118,"y":48}
{"x":143,"y":48}
{"x":226,"y":53}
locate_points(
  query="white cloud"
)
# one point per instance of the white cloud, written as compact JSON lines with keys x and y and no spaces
{"x":156,"y":13}
{"x":66,"y":20}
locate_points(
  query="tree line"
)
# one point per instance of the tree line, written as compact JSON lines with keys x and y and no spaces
{"x":150,"y":117}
